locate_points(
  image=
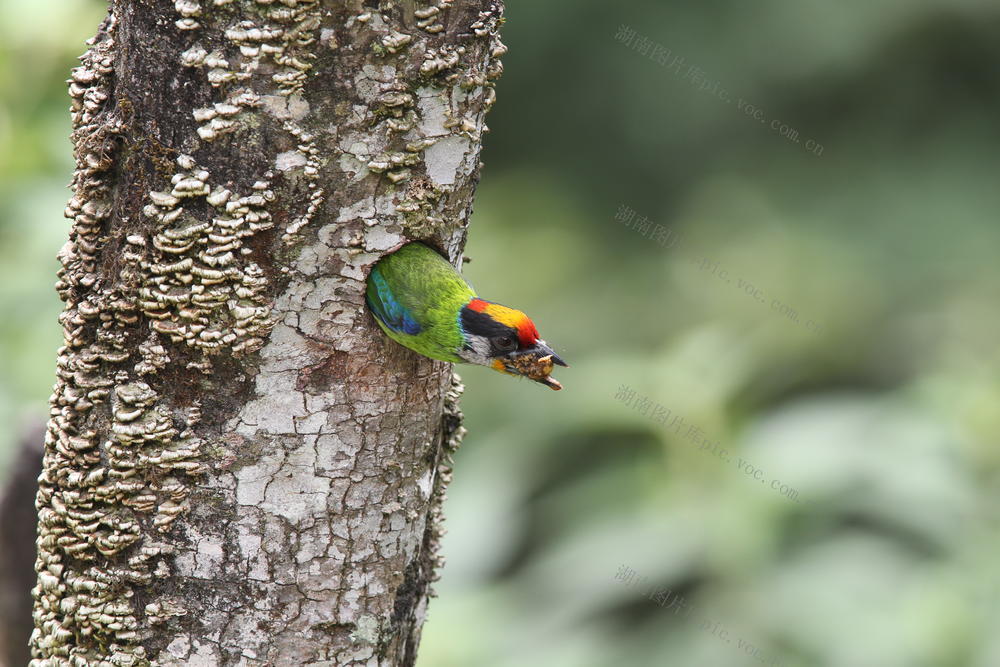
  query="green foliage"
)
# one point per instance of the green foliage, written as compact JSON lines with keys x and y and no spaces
{"x":884,"y":420}
{"x":39,"y":43}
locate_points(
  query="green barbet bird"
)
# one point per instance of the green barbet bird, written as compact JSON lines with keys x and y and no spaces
{"x":423,"y":303}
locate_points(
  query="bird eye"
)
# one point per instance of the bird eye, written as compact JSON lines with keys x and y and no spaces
{"x":505,"y":343}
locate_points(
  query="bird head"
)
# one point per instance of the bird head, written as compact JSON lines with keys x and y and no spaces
{"x":506,"y":340}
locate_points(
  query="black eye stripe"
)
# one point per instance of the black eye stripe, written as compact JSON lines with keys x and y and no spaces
{"x":482,"y":324}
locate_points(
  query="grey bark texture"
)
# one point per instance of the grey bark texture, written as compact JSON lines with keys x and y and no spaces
{"x":240,"y":469}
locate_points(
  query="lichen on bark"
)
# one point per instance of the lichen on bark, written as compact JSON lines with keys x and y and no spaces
{"x":239,"y":467}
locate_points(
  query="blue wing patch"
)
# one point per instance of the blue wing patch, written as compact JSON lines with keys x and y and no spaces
{"x":389,"y":311}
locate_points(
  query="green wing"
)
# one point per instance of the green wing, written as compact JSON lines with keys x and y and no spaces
{"x":416,"y":297}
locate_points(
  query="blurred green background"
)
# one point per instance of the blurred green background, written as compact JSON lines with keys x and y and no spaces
{"x":585,"y":529}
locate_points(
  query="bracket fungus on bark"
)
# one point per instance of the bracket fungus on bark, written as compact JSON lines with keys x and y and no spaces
{"x":238,"y":469}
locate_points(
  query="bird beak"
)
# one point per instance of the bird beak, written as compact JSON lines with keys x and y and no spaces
{"x":535,"y":363}
{"x":541,"y":349}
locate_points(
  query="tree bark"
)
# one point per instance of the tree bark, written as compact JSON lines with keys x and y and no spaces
{"x":17,"y":547}
{"x":239,"y":467}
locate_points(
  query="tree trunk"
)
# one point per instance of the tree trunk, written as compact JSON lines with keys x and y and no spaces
{"x":239,"y":467}
{"x":17,"y":547}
